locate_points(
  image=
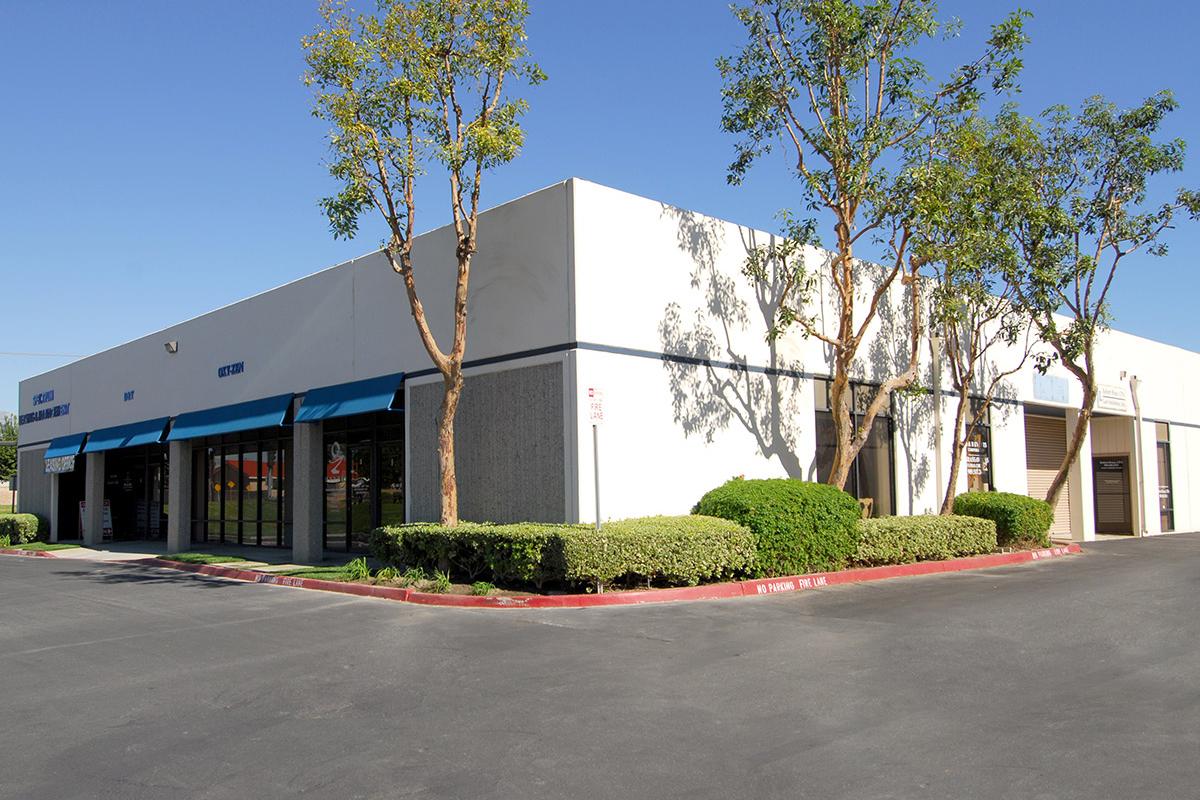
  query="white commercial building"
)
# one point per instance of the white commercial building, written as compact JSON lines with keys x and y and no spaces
{"x":305,"y":415}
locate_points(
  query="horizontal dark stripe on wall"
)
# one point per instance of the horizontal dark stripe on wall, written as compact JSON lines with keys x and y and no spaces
{"x":693,"y":361}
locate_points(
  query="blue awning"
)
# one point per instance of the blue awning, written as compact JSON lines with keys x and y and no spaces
{"x":149,"y":432}
{"x":266,"y":413}
{"x":65,"y":446}
{"x":356,"y":397}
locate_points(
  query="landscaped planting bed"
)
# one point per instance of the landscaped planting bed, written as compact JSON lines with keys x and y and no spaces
{"x":635,"y":553}
{"x":742,"y":529}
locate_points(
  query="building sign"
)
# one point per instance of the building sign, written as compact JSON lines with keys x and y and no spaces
{"x":236,"y":368}
{"x":1050,"y":387}
{"x":1112,"y":397}
{"x":46,"y":412}
{"x":55,"y":466}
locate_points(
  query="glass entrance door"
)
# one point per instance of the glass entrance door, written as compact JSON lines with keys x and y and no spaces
{"x":362,"y":474}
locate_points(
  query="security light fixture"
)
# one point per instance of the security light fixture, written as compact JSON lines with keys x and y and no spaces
{"x":172,"y":346}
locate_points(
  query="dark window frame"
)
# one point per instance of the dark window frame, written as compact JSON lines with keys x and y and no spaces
{"x":372,"y":430}
{"x":984,"y":426}
{"x":886,"y":414}
{"x":240,"y":528}
{"x":1162,"y":450}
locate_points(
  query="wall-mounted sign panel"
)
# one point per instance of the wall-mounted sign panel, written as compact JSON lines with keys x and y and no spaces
{"x":1051,"y":388}
{"x":1112,"y":397}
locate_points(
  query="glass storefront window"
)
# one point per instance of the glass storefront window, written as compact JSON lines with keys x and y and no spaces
{"x":364,"y":478}
{"x":245,"y":489}
{"x":135,"y":487}
{"x":871,"y":478}
{"x":361,"y":495}
{"x":391,"y":483}
{"x":335,"y":495}
{"x":1166,"y":500}
{"x":978,"y":453}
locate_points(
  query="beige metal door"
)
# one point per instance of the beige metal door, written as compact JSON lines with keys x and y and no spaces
{"x":1045,"y":449}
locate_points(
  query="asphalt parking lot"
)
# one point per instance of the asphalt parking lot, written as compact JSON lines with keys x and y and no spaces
{"x":1072,"y":678}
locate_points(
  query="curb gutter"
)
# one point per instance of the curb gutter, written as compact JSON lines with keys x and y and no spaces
{"x":715,"y":591}
{"x":5,"y":551}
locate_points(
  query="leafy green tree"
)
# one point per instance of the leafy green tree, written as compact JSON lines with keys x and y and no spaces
{"x":968,"y":198}
{"x":420,"y":87}
{"x":8,"y":455}
{"x":837,"y":84}
{"x":1092,"y":209}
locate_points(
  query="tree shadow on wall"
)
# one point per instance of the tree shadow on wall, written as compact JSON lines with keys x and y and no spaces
{"x":715,"y":381}
{"x":912,"y":412}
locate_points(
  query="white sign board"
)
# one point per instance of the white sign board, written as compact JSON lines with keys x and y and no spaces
{"x":1112,"y":397}
{"x":106,"y":526}
{"x":595,"y":402}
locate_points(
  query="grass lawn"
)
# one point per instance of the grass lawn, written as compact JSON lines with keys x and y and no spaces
{"x":328,"y":573}
{"x":202,"y":558}
{"x":44,"y":546}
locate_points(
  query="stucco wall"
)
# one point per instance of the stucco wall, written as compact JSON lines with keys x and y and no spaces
{"x":509,"y":434}
{"x":347,"y":322}
{"x":33,"y":488}
{"x":671,"y":283}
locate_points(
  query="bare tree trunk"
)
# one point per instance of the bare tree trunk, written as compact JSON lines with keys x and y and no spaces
{"x":960,"y":415}
{"x":1076,"y":444}
{"x":453,"y":384}
{"x":840,"y":396}
{"x":841,"y":393}
{"x":1087,"y":379}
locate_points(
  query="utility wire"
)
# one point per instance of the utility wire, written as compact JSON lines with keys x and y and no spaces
{"x":42,"y":355}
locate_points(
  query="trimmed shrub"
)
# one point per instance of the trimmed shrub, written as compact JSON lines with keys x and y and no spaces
{"x":666,"y":550}
{"x":673,"y":551}
{"x":798,"y":526}
{"x":20,"y":528}
{"x":932,"y":537}
{"x":1020,"y":520}
{"x":525,"y":553}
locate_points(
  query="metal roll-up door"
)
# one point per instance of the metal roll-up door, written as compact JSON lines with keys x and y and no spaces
{"x":1045,"y":449}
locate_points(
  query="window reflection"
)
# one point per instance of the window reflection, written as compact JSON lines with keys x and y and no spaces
{"x":364,"y":478}
{"x":871,"y":476}
{"x":243,"y":489}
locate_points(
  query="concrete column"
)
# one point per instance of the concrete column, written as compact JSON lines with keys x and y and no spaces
{"x":307,"y":487}
{"x":1083,"y":508}
{"x":93,"y":497}
{"x":1151,"y":520}
{"x":179,"y":496}
{"x":54,"y":520}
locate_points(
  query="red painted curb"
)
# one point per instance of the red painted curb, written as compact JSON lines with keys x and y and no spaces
{"x":4,"y":551}
{"x":715,"y":591}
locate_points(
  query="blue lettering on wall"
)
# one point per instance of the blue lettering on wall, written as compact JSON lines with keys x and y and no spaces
{"x":129,"y":395}
{"x":48,"y":412}
{"x":43,"y":397}
{"x":236,"y":368}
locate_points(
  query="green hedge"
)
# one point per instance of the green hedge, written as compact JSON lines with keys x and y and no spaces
{"x":664,"y":550}
{"x":20,"y":528}
{"x":1020,"y":520}
{"x":901,"y":540}
{"x":673,"y":551}
{"x":525,"y":553}
{"x":798,"y":526}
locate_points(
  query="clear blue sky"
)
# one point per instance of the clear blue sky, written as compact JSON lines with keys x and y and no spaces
{"x":158,"y":160}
